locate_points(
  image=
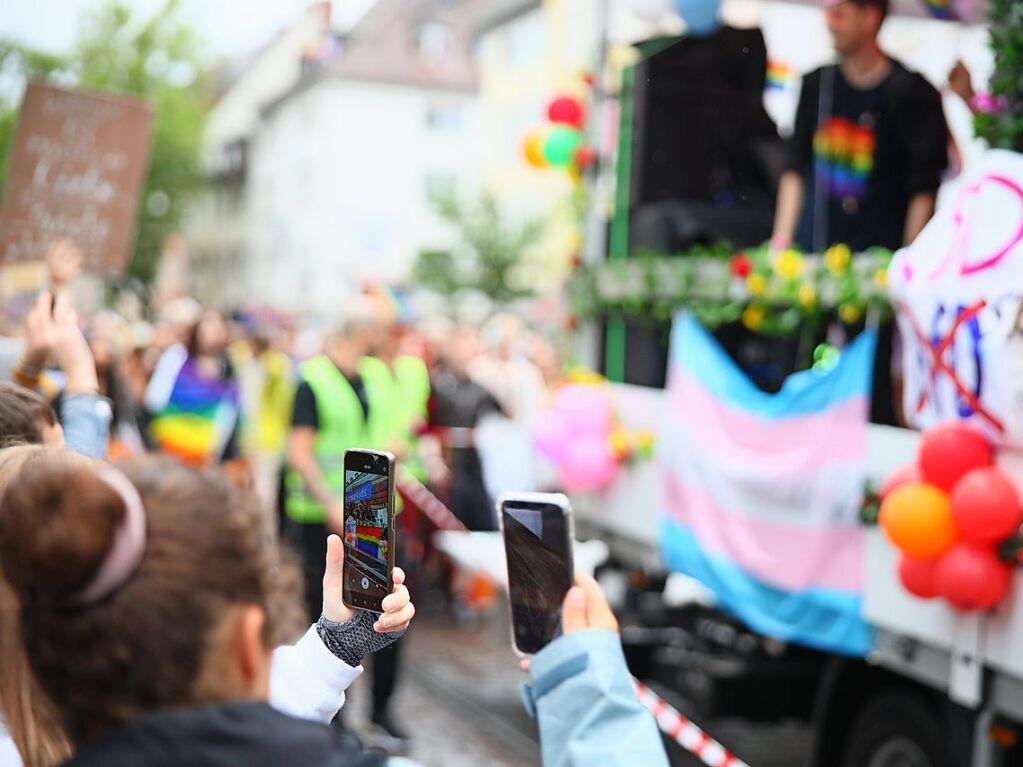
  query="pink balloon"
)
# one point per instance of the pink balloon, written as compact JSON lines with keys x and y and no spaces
{"x":551,"y":437}
{"x":588,"y":464}
{"x":585,"y":409}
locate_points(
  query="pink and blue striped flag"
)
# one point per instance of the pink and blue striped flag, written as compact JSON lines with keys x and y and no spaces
{"x":761,"y":493}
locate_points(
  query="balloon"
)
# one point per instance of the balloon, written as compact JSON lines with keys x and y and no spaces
{"x":566,"y":110}
{"x":949,"y":452}
{"x":919,"y":576}
{"x":650,"y":10}
{"x":917,"y":518}
{"x":560,"y":144}
{"x":985,"y":506}
{"x":972,"y":577}
{"x":588,"y":465}
{"x":551,"y":437}
{"x":533,"y":149}
{"x":901,"y":476}
{"x":584,"y":409}
{"x":585,"y":156}
{"x":700,"y":16}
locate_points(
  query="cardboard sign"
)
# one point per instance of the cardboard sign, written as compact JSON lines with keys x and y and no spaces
{"x":77,"y":167}
{"x":958,"y":292}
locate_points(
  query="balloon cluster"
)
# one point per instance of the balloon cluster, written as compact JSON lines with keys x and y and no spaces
{"x":559,"y":143}
{"x":579,"y":435}
{"x":947,"y":513}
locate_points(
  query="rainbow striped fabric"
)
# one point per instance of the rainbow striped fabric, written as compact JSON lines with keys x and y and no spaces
{"x":199,"y":417}
{"x":761,"y":492}
{"x":942,"y":9}
{"x":844,"y":157}
{"x":372,"y":541}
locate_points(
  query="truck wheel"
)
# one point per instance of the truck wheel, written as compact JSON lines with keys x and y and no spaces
{"x":895,"y":729}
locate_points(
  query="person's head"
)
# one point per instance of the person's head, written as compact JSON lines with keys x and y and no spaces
{"x":110,"y":637}
{"x":854,"y":24}
{"x":209,"y":336}
{"x":357,"y":336}
{"x":26,"y":418}
{"x":462,"y":348}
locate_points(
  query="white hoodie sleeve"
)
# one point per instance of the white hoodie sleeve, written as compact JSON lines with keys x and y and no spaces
{"x":307,"y":681}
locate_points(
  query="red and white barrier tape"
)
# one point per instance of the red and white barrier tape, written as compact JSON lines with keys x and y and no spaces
{"x":683,"y":731}
{"x":670,"y":721}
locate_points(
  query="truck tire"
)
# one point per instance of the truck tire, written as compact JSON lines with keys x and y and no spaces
{"x":896,"y":729}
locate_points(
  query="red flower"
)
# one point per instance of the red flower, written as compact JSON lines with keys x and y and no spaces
{"x":741,"y":266}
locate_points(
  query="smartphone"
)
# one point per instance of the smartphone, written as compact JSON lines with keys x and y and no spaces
{"x":369,"y":534}
{"x":537,"y":531}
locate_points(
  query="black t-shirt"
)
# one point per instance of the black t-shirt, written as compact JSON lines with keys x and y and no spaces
{"x":863,"y":154}
{"x":305,"y":412}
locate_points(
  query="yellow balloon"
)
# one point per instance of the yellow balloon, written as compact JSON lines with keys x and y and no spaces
{"x":534,"y":150}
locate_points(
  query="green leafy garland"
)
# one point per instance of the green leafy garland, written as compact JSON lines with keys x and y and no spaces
{"x":1003,"y":128}
{"x":773,"y":294}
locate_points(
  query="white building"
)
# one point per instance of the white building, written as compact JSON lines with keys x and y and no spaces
{"x":343,"y":167}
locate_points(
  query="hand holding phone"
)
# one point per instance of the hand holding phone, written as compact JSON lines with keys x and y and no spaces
{"x":537,"y":530}
{"x":369,"y":529}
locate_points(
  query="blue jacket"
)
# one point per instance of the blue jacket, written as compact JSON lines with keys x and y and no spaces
{"x":582,"y":697}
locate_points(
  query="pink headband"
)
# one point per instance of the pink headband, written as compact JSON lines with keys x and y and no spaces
{"x":128,"y":545}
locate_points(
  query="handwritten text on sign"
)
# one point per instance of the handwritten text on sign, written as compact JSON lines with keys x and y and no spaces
{"x":77,"y":166}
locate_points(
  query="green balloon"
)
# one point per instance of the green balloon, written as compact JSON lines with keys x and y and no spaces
{"x":560,"y":145}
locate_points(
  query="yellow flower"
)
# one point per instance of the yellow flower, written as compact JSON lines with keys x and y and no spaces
{"x":620,"y":444}
{"x":837,"y":258}
{"x":881,"y":278}
{"x":756,"y":284}
{"x":807,"y":295}
{"x":789,"y":265}
{"x":849,"y":313}
{"x":753,"y":317}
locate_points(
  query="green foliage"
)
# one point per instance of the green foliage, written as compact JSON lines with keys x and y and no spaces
{"x":156,"y":58}
{"x":486,"y":255}
{"x":1005,"y":128}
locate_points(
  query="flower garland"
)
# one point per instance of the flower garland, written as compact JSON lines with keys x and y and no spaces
{"x":773,"y":294}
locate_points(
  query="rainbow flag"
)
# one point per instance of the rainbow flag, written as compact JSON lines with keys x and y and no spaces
{"x":780,"y":76}
{"x":942,"y":9}
{"x":199,"y":417}
{"x":761,"y":492}
{"x":370,"y":540}
{"x":844,"y":157}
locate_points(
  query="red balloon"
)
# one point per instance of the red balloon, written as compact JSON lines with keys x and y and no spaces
{"x":951,"y":451}
{"x":986,"y":507}
{"x":903,"y":475}
{"x":919,"y":576}
{"x":567,"y":110}
{"x":972,"y":577}
{"x":585,"y":156}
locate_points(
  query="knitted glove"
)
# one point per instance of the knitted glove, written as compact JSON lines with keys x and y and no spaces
{"x":354,"y":639}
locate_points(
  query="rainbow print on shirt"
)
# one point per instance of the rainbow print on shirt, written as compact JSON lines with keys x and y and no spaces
{"x":844,"y":158}
{"x":780,"y":76}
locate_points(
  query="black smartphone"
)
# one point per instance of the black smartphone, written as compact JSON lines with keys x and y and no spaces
{"x":369,"y":534}
{"x":537,"y":530}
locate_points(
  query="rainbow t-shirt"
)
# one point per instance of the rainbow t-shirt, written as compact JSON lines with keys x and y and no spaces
{"x":843,"y":154}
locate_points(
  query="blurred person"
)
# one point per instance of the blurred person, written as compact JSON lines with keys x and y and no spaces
{"x":129,"y":428}
{"x":334,"y":410}
{"x":193,"y":397}
{"x":307,"y":680}
{"x":869,"y":147}
{"x":52,"y":334}
{"x":457,"y":405}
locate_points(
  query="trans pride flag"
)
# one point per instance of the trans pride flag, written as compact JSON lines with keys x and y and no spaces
{"x":761,"y":492}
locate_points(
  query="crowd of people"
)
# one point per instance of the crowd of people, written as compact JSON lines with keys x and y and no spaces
{"x":166,"y":489}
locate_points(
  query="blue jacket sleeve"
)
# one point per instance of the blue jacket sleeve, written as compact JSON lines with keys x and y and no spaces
{"x":86,"y":421}
{"x":582,"y":696}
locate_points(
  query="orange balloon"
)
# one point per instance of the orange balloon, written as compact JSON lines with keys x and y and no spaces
{"x":917,"y":518}
{"x":534,"y":150}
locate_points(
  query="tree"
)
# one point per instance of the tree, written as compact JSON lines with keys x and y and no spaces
{"x":1004,"y":129}
{"x":486,"y":256}
{"x":157,"y":58}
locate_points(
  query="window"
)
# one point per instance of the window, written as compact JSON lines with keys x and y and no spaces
{"x":436,"y":42}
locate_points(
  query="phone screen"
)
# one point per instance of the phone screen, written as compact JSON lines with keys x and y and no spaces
{"x":540,"y":570}
{"x":367,"y":533}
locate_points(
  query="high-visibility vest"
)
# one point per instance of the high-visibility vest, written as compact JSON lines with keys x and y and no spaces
{"x":342,"y":426}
